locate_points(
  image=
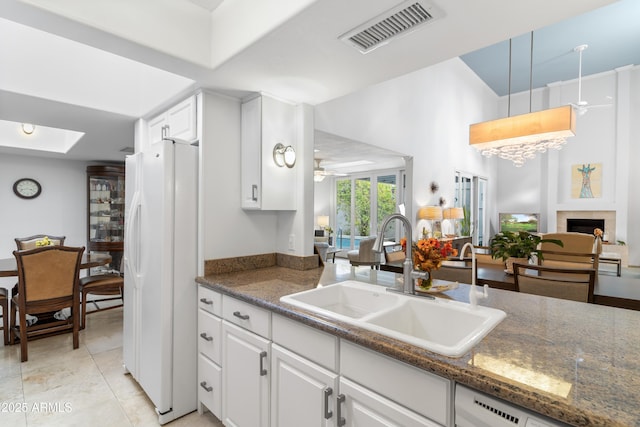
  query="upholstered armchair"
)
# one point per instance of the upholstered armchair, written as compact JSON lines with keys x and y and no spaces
{"x":365,"y":254}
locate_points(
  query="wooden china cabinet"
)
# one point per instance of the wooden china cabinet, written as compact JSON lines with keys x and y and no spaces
{"x":105,"y":212}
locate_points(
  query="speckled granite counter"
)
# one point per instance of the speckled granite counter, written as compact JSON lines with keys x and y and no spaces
{"x":578,"y":363}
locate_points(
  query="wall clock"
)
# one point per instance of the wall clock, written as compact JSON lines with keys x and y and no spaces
{"x":27,"y":188}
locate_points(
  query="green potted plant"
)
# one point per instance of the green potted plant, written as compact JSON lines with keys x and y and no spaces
{"x":517,"y":247}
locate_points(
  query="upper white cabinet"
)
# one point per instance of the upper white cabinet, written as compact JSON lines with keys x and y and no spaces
{"x":177,"y":122}
{"x":267,"y":122}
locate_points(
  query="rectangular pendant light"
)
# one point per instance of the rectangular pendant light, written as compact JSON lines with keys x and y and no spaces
{"x":527,"y":128}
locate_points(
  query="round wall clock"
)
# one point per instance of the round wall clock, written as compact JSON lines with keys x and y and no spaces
{"x":27,"y":188}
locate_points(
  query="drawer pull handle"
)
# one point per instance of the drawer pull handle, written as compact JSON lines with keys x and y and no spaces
{"x":327,"y":413}
{"x":204,"y":385}
{"x":341,"y":420}
{"x":240,"y":315}
{"x":254,"y":193}
{"x":263,"y":355}
{"x":206,"y":301}
{"x":206,"y":337}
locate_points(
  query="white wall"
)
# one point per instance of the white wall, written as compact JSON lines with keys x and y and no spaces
{"x":424,"y":114}
{"x":604,"y":135}
{"x":228,"y":230}
{"x":61,"y":209}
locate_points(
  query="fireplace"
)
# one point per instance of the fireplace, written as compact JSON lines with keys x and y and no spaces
{"x":584,"y":225}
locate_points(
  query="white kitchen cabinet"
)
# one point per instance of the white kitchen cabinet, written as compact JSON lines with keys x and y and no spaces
{"x":265,"y":186}
{"x":360,"y":407}
{"x":179,"y":121}
{"x":302,"y":393}
{"x":304,"y":378}
{"x":427,"y":396}
{"x":209,"y":351}
{"x":245,"y":362}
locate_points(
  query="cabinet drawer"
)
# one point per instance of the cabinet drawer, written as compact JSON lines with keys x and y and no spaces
{"x":398,"y":381}
{"x":210,"y":385}
{"x":248,"y":316}
{"x":210,"y":335}
{"x":310,"y":343}
{"x":209,"y":300}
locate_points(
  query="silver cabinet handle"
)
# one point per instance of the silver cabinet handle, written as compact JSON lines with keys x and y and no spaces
{"x":254,"y":192}
{"x":263,"y":355}
{"x":327,"y":413}
{"x":206,"y":301}
{"x":341,"y":420}
{"x":240,"y":315}
{"x":204,"y":385}
{"x":206,"y":337}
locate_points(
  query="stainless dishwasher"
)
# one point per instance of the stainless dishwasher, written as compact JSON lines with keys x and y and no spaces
{"x":475,"y":409}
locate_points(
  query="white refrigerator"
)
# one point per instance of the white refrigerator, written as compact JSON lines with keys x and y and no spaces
{"x":160,"y":254}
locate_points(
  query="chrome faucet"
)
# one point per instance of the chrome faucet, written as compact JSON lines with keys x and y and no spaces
{"x":473,"y":293}
{"x":408,"y":273}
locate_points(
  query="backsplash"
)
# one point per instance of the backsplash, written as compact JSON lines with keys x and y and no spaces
{"x":253,"y":262}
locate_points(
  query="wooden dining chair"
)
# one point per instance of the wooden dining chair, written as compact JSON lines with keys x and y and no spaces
{"x":574,"y":284}
{"x":24,"y":243}
{"x":108,"y":284}
{"x":4,"y":303}
{"x":48,"y":281}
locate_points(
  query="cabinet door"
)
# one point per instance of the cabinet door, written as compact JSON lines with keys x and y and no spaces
{"x":245,"y":362}
{"x":361,"y":407}
{"x":302,"y":393}
{"x":155,"y":128}
{"x":182,"y":120}
{"x":251,"y":149}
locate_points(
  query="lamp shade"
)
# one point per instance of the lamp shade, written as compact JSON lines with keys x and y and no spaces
{"x":453,"y":213}
{"x":323,"y":221}
{"x":430,"y":212}
{"x":519,"y":137}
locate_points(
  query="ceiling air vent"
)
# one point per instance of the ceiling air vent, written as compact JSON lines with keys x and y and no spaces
{"x":398,"y":21}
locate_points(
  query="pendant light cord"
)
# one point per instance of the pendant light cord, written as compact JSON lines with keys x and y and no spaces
{"x":509,"y":98}
{"x":531,"y":73}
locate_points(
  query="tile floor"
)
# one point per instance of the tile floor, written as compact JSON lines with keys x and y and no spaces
{"x":59,"y":386}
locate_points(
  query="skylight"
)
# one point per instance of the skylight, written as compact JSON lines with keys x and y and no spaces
{"x":43,"y":138}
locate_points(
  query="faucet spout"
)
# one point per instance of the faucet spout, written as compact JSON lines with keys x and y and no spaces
{"x":407,"y":267}
{"x":473,"y":293}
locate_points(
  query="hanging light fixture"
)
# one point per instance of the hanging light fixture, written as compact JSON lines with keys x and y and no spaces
{"x":519,"y":138}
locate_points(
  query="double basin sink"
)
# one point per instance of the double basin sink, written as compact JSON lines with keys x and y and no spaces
{"x":450,"y":328}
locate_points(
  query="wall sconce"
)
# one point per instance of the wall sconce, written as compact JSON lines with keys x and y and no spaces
{"x":284,"y":156}
{"x":28,"y":128}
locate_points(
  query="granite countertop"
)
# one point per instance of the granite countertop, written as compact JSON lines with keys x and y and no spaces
{"x":578,"y":363}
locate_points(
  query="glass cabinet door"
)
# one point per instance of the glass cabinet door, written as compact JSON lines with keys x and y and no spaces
{"x":105,"y":231}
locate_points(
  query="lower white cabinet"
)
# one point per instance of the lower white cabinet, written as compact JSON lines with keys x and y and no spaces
{"x":360,"y":407}
{"x":245,"y":377}
{"x":302,"y":392}
{"x":305,"y":377}
{"x":209,"y":351}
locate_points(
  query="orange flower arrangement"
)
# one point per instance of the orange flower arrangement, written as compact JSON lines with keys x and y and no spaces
{"x":428,"y":255}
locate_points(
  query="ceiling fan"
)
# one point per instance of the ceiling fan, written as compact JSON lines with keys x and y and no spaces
{"x":581,"y":106}
{"x":320,"y":173}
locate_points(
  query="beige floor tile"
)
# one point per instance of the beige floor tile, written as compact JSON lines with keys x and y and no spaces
{"x":60,"y":386}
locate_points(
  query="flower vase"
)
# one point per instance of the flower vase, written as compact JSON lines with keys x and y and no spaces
{"x":425,"y":284}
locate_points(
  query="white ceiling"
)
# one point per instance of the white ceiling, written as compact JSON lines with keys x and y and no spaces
{"x":282,"y":48}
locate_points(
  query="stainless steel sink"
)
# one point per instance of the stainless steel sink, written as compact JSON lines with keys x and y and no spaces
{"x":446,"y":327}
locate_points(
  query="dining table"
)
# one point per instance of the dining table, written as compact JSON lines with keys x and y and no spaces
{"x":8,"y":266}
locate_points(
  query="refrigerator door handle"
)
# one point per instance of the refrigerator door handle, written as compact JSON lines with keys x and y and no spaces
{"x":132,"y":237}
